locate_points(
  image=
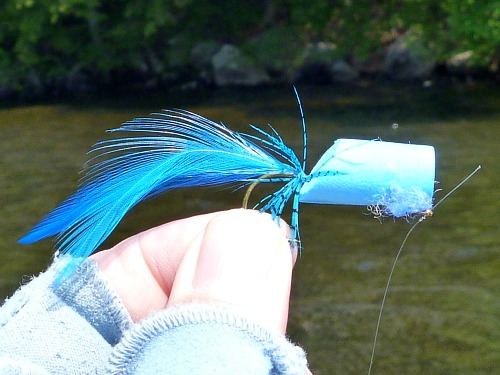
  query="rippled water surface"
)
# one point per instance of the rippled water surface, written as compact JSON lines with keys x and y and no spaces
{"x":442,"y":312}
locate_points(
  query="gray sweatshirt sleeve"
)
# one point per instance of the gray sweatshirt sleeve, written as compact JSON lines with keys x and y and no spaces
{"x":81,"y":327}
{"x":71,"y":329}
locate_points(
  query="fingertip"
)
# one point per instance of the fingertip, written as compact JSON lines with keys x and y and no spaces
{"x":244,"y":260}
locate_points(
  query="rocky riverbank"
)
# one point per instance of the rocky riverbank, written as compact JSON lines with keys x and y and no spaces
{"x":273,"y":58}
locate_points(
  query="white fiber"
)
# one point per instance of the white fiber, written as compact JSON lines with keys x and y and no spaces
{"x":401,"y":202}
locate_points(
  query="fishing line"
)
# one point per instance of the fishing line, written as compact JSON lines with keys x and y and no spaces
{"x":424,"y":215}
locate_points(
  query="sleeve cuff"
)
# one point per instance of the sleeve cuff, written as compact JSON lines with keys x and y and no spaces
{"x":205,"y":339}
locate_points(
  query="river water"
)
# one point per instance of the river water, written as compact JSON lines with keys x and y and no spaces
{"x":442,"y":310}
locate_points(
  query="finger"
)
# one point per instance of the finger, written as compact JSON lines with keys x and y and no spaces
{"x":243,"y":258}
{"x":141,"y":269}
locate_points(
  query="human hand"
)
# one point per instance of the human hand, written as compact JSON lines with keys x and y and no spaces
{"x":239,"y":257}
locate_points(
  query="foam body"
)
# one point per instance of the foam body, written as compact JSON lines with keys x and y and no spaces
{"x":374,"y":172}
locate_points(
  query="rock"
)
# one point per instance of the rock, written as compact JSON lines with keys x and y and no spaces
{"x":461,"y":64}
{"x":321,"y":64}
{"x":233,"y":68}
{"x":316,"y":61}
{"x":202,"y":53}
{"x":341,"y":71}
{"x":408,"y":59}
{"x":201,"y":59}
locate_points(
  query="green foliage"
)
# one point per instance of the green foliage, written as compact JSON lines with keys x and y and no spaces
{"x":48,"y":39}
{"x":474,"y":25}
{"x":360,"y":27}
{"x":276,"y":49}
{"x":44,"y":40}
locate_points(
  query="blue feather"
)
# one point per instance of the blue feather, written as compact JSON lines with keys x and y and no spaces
{"x":177,"y":148}
{"x":169,"y":150}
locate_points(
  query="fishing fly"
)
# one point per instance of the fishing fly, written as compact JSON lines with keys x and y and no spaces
{"x":422,"y":216}
{"x":176,"y":148}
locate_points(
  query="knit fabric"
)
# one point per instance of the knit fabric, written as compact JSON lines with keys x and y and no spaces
{"x":81,"y":327}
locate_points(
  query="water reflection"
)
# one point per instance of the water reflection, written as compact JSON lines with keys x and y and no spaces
{"x":442,"y":310}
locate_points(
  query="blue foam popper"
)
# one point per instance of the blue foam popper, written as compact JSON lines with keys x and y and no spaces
{"x":177,"y":148}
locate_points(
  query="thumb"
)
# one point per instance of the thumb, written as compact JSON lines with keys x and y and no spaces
{"x":243,"y":258}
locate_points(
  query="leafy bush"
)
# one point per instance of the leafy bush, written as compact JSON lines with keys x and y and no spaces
{"x":45,"y":42}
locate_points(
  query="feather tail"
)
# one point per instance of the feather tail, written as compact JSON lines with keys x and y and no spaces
{"x":169,"y":150}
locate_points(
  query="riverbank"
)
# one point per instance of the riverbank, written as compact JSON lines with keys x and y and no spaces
{"x":257,"y":64}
